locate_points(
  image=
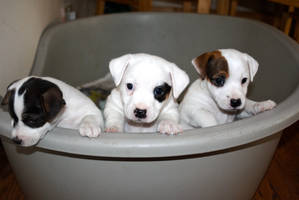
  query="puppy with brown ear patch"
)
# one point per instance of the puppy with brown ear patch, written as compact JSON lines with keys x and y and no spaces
{"x":38,"y":104}
{"x":219,"y":95}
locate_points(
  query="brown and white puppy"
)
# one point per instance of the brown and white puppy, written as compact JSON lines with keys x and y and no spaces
{"x":38,"y":104}
{"x":219,"y":95}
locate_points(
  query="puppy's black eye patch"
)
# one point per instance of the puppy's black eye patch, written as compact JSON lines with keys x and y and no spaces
{"x":161,"y":92}
{"x":218,"y":81}
{"x":33,"y":120}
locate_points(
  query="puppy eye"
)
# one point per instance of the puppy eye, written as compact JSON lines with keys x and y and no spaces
{"x":129,"y":86}
{"x":161,"y":91}
{"x":219,"y":81}
{"x":33,"y":120}
{"x":244,"y":80}
{"x":158,"y":91}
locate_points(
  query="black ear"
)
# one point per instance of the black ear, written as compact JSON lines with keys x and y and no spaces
{"x":6,"y":98}
{"x":52,"y":102}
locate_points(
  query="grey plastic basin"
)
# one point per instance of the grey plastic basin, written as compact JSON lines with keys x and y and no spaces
{"x":221,"y":162}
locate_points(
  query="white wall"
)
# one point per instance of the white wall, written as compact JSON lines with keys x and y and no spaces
{"x":21,"y":24}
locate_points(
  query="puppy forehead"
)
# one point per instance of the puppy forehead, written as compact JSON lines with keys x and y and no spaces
{"x":237,"y":63}
{"x":18,"y":101}
{"x":17,"y":84}
{"x":147,"y":71}
{"x":28,"y":92}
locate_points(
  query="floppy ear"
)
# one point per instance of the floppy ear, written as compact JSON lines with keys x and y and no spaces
{"x":6,"y":98}
{"x":252,"y":65}
{"x":200,"y":64}
{"x":179,"y":79}
{"x":52,"y":102}
{"x":118,"y":67}
{"x":9,"y":92}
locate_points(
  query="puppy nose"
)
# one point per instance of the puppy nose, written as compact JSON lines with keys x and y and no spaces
{"x":235,"y":102}
{"x":17,"y":140}
{"x":140,"y":113}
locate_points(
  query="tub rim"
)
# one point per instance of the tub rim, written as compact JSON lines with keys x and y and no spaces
{"x":194,"y":141}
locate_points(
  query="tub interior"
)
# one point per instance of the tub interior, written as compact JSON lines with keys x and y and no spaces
{"x":79,"y":52}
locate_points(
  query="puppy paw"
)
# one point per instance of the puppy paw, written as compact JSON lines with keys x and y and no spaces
{"x":89,"y":129}
{"x":264,"y":106}
{"x":112,"y":129}
{"x":169,"y":127}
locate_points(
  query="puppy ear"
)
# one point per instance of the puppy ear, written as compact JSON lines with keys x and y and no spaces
{"x":200,"y":64}
{"x":118,"y":67}
{"x":179,"y":79}
{"x":52,"y":102}
{"x":6,"y":98}
{"x":252,"y":65}
{"x":9,"y":92}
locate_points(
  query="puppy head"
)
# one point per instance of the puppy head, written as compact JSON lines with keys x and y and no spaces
{"x":227,"y":72}
{"x":33,"y":104}
{"x":146,"y":83}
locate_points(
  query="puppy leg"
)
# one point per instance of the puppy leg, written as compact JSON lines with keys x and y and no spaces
{"x":114,"y":123}
{"x":253,"y":107}
{"x":113,"y":113}
{"x":202,"y":118}
{"x":169,"y":127}
{"x":90,"y":126}
{"x":169,"y":122}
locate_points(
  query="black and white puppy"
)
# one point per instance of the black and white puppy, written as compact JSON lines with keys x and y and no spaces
{"x":219,"y":95}
{"x":38,"y":104}
{"x":144,"y":99}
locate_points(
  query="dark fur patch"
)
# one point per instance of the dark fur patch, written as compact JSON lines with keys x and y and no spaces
{"x":11,"y":108}
{"x":9,"y":100}
{"x":43,"y":100}
{"x":213,"y":66}
{"x":161,"y":92}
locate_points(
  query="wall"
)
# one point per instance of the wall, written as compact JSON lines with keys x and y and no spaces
{"x":21,"y":24}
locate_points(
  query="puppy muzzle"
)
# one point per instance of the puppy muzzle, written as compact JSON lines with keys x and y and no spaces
{"x":17,"y":140}
{"x":140,"y":113}
{"x":235,"y":103}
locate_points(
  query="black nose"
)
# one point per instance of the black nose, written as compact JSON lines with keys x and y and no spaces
{"x":17,"y":140}
{"x":235,"y":102}
{"x":140,"y":113}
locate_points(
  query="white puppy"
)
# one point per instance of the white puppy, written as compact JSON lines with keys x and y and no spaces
{"x":38,"y":104}
{"x":145,"y":93}
{"x":219,"y":95}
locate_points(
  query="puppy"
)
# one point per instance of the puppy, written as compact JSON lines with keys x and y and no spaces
{"x":219,"y":95}
{"x":144,"y":98}
{"x":38,"y":104}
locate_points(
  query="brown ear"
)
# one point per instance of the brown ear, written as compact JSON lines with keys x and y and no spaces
{"x":6,"y":98}
{"x":52,"y":102}
{"x":200,"y":63}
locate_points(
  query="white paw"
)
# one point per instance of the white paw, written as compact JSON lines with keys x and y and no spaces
{"x":112,"y":129}
{"x":89,"y":129}
{"x":169,"y":127}
{"x":263,"y":106}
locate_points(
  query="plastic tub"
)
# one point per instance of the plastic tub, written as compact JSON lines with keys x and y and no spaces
{"x":221,"y":162}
